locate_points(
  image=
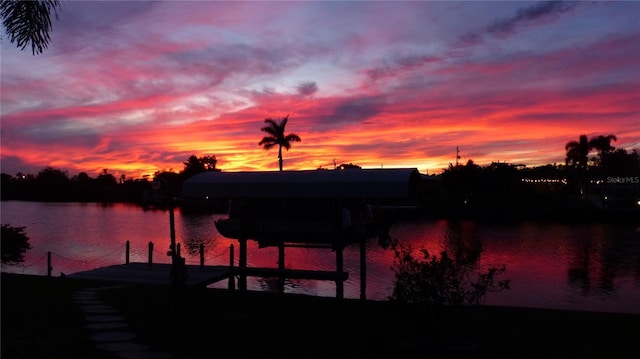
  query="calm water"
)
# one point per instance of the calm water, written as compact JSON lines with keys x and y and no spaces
{"x":593,"y":267}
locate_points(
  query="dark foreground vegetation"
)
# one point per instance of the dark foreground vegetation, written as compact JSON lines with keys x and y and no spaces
{"x":39,"y":320}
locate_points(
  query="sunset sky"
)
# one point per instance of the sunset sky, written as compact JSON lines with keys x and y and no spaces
{"x":137,"y":87}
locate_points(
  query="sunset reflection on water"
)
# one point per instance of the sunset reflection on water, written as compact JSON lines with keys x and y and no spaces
{"x":550,"y":265}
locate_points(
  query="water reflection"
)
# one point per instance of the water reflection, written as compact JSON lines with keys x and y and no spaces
{"x":463,"y":241}
{"x":600,"y":254}
{"x":274,"y":284}
{"x":550,"y":265}
{"x":194,"y":237}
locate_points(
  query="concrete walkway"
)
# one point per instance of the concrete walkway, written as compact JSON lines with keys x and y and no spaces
{"x":108,"y":330}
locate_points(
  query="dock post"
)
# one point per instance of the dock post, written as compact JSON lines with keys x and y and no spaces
{"x":232,"y":282}
{"x":150,"y":253}
{"x":363,"y":269}
{"x":339,"y":269}
{"x":126,"y":257}
{"x":242,"y":264}
{"x":281,"y":279}
{"x":49,"y":267}
{"x":201,"y":255}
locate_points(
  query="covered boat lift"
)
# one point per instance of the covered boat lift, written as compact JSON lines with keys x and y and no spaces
{"x":313,"y":208}
{"x":372,"y":184}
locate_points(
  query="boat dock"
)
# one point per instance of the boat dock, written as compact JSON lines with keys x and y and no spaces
{"x":197,"y":275}
{"x":155,"y":274}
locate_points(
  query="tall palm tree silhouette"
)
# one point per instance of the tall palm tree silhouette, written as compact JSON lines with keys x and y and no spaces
{"x":276,"y":136}
{"x":577,"y":152}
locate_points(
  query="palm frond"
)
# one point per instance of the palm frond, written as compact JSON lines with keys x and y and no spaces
{"x":292,"y":137}
{"x":267,"y":142}
{"x":29,"y":22}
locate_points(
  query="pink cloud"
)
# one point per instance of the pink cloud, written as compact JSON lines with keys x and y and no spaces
{"x":370,"y":84}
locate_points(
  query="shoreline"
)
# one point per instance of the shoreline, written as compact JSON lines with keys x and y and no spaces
{"x":38,"y":317}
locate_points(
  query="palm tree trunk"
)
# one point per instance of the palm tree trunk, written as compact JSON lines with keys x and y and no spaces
{"x":280,"y":157}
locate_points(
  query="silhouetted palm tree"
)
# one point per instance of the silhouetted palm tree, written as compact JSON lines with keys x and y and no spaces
{"x":29,"y":22}
{"x":602,"y":143}
{"x":277,"y":137}
{"x":577,"y":152}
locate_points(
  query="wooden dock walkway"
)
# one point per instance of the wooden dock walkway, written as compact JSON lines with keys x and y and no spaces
{"x":197,"y":276}
{"x":155,"y":273}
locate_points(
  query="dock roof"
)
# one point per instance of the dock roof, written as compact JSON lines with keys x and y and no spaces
{"x":348,"y":183}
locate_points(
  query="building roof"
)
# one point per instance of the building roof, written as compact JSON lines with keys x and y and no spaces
{"x":349,"y":183}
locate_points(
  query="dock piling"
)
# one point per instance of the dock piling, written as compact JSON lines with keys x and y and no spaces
{"x":49,"y":267}
{"x":232,"y":282}
{"x":201,"y":255}
{"x":150,"y":253}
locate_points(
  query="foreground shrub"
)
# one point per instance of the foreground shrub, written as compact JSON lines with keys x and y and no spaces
{"x":443,"y":280}
{"x":15,"y":244}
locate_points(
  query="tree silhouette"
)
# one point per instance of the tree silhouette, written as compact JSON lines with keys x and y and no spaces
{"x":577,"y":152}
{"x":348,"y":166}
{"x":15,"y":244}
{"x":195,"y":165}
{"x":209,"y":162}
{"x":192,"y":167}
{"x":52,"y":184}
{"x":29,"y":22}
{"x":277,"y":137}
{"x":602,"y":144}
{"x":106,"y":185}
{"x":619,"y":162}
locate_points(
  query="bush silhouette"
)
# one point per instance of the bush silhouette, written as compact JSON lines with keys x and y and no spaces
{"x":15,"y":244}
{"x":441,"y":281}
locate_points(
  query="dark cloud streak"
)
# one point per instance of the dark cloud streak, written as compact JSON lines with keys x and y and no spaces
{"x":538,"y":12}
{"x":307,"y":88}
{"x":355,"y":110}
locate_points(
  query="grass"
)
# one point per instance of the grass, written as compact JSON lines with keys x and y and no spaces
{"x":39,"y":320}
